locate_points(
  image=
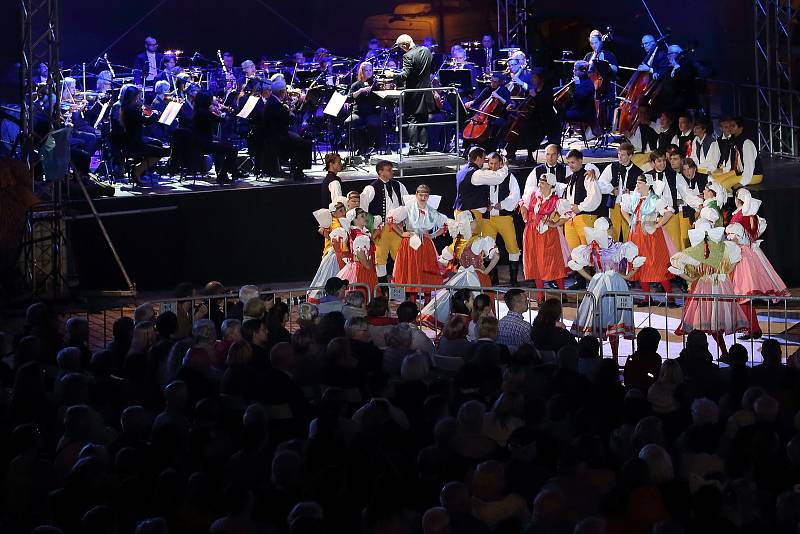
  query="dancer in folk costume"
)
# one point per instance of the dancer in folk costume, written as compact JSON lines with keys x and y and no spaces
{"x":545,"y":252}
{"x":417,"y":260}
{"x":754,"y":274}
{"x":614,"y":263}
{"x":360,"y":260}
{"x":647,"y":213}
{"x":706,"y":265}
{"x":471,"y":270}
{"x":332,"y":225}
{"x":714,"y":197}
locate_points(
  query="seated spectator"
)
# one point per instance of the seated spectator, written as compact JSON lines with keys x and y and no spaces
{"x":333,"y":300}
{"x":246,"y":293}
{"x":205,"y":334}
{"x":399,"y":341}
{"x":78,"y":336}
{"x":122,"y":331}
{"x":514,"y":329}
{"x":186,"y":311}
{"x":255,"y":333}
{"x":407,"y":313}
{"x":378,"y":388}
{"x":771,"y":374}
{"x":379,"y":322}
{"x":486,"y":351}
{"x":454,"y":342}
{"x":216,"y":307}
{"x":277,"y":319}
{"x":341,"y":368}
{"x":331,"y":420}
{"x":507,"y":415}
{"x":470,"y":443}
{"x":255,"y":308}
{"x":196,"y":373}
{"x":589,"y":356}
{"x":369,"y":357}
{"x":354,"y":304}
{"x":231,"y":333}
{"x":492,"y":503}
{"x":144,"y":312}
{"x":642,"y":367}
{"x":481,"y":307}
{"x":547,"y":331}
{"x":665,"y":393}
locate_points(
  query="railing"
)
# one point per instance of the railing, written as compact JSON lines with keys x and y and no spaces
{"x":779,"y":311}
{"x":101,"y":322}
{"x":401,"y":124}
{"x":774,"y":304}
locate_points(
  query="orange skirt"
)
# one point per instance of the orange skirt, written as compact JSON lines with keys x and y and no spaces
{"x":654,"y":248}
{"x":417,"y":266}
{"x":543,"y":254}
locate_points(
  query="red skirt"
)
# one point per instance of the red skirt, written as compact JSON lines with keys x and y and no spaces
{"x":654,"y":248}
{"x":417,"y":266}
{"x":543,"y":255}
{"x":355,"y":273}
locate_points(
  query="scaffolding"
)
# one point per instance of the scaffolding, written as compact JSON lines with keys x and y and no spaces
{"x":512,"y":24}
{"x":777,"y":102}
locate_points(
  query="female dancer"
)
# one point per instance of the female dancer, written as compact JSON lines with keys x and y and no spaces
{"x":614,"y":263}
{"x":416,"y":261}
{"x":647,"y":213}
{"x":706,"y":264}
{"x":331,"y":226}
{"x":754,"y":274}
{"x":545,"y":252}
{"x":360,"y":261}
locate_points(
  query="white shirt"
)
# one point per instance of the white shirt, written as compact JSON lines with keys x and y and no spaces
{"x":368,"y":195}
{"x":706,"y":161}
{"x":685,"y":195}
{"x":593,"y":195}
{"x":747,"y":164}
{"x":532,"y":182}
{"x":494,"y":179}
{"x":607,"y":176}
{"x":335,"y":189}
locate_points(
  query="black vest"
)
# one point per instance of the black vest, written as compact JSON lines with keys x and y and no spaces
{"x":560,"y":172}
{"x":618,"y":172}
{"x":649,"y":137}
{"x":325,"y":194}
{"x":703,"y":147}
{"x":725,"y":146}
{"x":699,"y":182}
{"x":504,"y":189}
{"x":378,"y":204}
{"x":684,"y":141}
{"x":671,"y":178}
{"x":575,"y":183}
{"x":738,"y":146}
{"x":665,"y":138}
{"x":469,"y":196}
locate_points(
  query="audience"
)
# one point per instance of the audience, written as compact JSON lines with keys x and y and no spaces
{"x":244,"y":426}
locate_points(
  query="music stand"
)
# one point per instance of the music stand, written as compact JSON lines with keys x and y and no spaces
{"x":459,"y":78}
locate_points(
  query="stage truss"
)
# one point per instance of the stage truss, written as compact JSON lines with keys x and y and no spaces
{"x":512,"y":24}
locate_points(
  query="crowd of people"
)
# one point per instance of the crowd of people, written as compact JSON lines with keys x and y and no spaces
{"x":218,"y":419}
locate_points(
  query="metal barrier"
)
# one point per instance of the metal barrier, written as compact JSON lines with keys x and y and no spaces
{"x":103,"y":320}
{"x":386,"y":289}
{"x":401,"y":124}
{"x":716,"y":300}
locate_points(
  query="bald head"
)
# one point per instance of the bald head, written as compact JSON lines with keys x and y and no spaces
{"x":551,"y":153}
{"x":405,"y":42}
{"x":436,"y":521}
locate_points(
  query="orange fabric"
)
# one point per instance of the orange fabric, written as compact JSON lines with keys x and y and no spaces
{"x":654,"y":248}
{"x":542,"y":256}
{"x":417,"y":266}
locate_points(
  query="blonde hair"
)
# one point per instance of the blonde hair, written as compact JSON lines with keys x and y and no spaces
{"x":361,"y":76}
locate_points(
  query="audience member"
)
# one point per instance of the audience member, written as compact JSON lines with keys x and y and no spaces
{"x":407,"y":313}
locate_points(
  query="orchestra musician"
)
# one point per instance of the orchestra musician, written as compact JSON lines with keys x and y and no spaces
{"x":655,"y":60}
{"x":498,"y":120}
{"x":679,"y":93}
{"x":103,"y":88}
{"x":416,"y":74}
{"x":205,"y":120}
{"x":147,"y":63}
{"x":73,"y":106}
{"x":372,"y":48}
{"x":133,"y":117}
{"x":520,"y":85}
{"x":581,"y":107}
{"x":606,"y":98}
{"x":487,"y":44}
{"x":227,"y":76}
{"x":365,"y":116}
{"x":277,"y":120}
{"x":169,"y":71}
{"x":186,"y":112}
{"x":438,"y":58}
{"x":156,"y":129}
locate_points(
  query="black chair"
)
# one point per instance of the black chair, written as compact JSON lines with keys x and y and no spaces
{"x":186,"y":159}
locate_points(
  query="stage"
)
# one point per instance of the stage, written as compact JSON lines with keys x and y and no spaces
{"x":258,"y":231}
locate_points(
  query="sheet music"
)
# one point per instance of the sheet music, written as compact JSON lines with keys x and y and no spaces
{"x":335,"y":104}
{"x":389,"y":93}
{"x":102,"y":114}
{"x":248,"y":107}
{"x":171,"y":111}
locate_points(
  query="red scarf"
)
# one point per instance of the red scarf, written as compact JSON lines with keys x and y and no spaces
{"x":545,"y":209}
{"x":594,"y":253}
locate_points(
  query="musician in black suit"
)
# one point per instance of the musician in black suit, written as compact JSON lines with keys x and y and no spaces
{"x":277,"y":119}
{"x":146,"y":64}
{"x":655,"y":59}
{"x":606,"y":95}
{"x":366,"y":112}
{"x":416,"y":74}
{"x":581,"y":106}
{"x":680,"y":83}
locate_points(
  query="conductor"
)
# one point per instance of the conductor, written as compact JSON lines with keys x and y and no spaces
{"x":416,"y":74}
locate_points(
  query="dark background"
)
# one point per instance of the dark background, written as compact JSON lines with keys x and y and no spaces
{"x":721,"y":30}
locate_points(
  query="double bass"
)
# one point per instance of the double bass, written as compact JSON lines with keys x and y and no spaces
{"x":477,"y":128}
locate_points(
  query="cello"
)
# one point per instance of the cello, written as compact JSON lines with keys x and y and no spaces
{"x":477,"y":128}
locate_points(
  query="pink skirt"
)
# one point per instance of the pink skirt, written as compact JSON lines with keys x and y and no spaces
{"x":754,"y":274}
{"x":712,"y":316}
